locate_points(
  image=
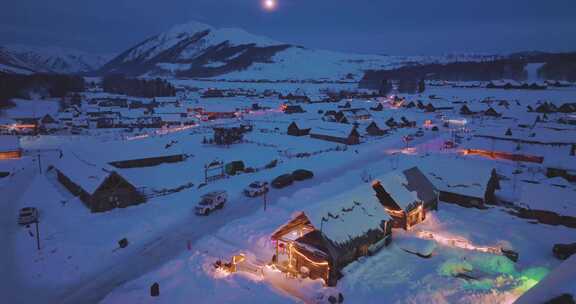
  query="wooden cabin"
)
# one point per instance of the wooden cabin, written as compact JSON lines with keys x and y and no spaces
{"x":321,"y":240}
{"x":294,"y":130}
{"x":473,"y":187}
{"x":347,"y":135}
{"x":10,"y":147}
{"x":99,"y":187}
{"x":350,"y":116}
{"x":406,"y":196}
{"x":374,"y":130}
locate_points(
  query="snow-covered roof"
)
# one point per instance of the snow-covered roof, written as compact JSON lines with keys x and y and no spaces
{"x":396,"y":185}
{"x":116,"y":151}
{"x":348,"y":215}
{"x":87,"y":175}
{"x":333,"y":129}
{"x":9,"y":143}
{"x":449,"y":175}
{"x":549,"y":198}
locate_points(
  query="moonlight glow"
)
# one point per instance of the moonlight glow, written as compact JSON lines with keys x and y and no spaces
{"x":269,"y":5}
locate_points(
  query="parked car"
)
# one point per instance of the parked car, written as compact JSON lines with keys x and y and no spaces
{"x":27,"y":215}
{"x":302,"y":174}
{"x":419,"y":133}
{"x":283,"y":181}
{"x":256,"y":189}
{"x":210,"y":202}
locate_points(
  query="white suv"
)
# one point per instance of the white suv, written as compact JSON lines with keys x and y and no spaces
{"x":256,"y":189}
{"x":210,"y":202}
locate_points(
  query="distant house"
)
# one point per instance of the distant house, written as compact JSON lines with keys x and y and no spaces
{"x":321,"y":240}
{"x":378,"y":108}
{"x":561,"y":165}
{"x":294,"y":130}
{"x":343,"y":134}
{"x":473,"y":187}
{"x":350,"y":116}
{"x":430,"y":108}
{"x":99,"y":187}
{"x":213,"y":112}
{"x":292,"y":109}
{"x":406,"y":196}
{"x":465,"y":110}
{"x":346,"y":105}
{"x":49,"y":123}
{"x":491,"y":112}
{"x":374,"y":130}
{"x":10,"y":147}
{"x":569,"y":107}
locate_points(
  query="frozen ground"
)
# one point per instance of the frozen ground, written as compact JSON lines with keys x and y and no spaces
{"x":80,"y":262}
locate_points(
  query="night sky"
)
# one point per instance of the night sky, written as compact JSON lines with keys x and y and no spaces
{"x":407,"y":27}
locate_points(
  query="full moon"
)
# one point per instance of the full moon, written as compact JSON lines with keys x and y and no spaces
{"x":269,"y":5}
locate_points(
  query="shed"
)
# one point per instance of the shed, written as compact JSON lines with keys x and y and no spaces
{"x":324,"y":238}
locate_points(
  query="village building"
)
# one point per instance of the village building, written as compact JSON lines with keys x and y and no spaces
{"x":491,"y":112}
{"x":377,"y":108}
{"x":561,"y":165}
{"x":98,"y":186}
{"x":292,"y":109}
{"x":215,"y":111}
{"x":295,"y":130}
{"x":534,"y":203}
{"x":406,"y":195}
{"x":49,"y":123}
{"x":473,"y":187}
{"x":374,"y":130}
{"x":339,"y":133}
{"x":319,"y":241}
{"x":10,"y":147}
{"x":350,"y":116}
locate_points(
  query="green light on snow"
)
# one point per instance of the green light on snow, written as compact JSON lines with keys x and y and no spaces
{"x":531,"y":277}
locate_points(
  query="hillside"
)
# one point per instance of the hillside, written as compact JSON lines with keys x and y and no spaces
{"x":22,"y":59}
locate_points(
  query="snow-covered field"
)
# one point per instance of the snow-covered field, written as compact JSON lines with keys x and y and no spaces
{"x":80,"y":262}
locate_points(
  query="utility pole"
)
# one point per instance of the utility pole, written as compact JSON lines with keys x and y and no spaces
{"x":37,"y":235}
{"x":39,"y":163}
{"x":264,"y":197}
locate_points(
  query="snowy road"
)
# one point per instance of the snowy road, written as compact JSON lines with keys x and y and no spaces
{"x":173,"y":240}
{"x":10,"y":196}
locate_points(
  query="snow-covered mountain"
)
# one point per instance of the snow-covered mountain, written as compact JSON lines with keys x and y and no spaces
{"x":198,"y":50}
{"x":26,"y":59}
